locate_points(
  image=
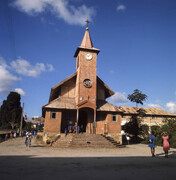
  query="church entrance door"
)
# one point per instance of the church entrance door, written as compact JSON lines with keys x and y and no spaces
{"x":82,"y":120}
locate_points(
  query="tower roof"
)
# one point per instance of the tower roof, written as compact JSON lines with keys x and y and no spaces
{"x":86,"y":43}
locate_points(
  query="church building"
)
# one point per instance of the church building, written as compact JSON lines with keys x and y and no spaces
{"x":81,"y":98}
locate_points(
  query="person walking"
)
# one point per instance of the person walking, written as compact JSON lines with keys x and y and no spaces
{"x":152,"y":143}
{"x":166,"y":145}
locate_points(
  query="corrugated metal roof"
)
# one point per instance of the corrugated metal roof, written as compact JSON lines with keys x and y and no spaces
{"x":149,"y":111}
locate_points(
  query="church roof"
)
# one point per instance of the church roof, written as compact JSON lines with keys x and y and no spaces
{"x":106,"y":106}
{"x":62,"y":103}
{"x":148,"y":111}
{"x":108,"y":92}
{"x":56,"y":87}
{"x":69,"y":103}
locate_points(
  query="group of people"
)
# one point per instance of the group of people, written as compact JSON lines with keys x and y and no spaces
{"x":165,"y":144}
{"x":72,"y":129}
{"x":11,"y":135}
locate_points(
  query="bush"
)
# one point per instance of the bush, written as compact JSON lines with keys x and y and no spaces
{"x":144,"y":130}
{"x":173,"y":141}
{"x":5,"y":126}
{"x":1,"y":139}
{"x":169,"y":127}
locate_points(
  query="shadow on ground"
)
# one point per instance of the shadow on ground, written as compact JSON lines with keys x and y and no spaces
{"x":87,"y":168}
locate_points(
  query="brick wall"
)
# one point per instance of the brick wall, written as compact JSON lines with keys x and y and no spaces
{"x":52,"y":125}
{"x":87,"y":70}
{"x":106,"y":125}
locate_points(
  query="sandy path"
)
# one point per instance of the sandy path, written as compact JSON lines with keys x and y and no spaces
{"x":133,"y":162}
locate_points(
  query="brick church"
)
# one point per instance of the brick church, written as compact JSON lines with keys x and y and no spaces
{"x":81,"y":98}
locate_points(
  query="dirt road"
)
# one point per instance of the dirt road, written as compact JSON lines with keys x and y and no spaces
{"x":134,"y":162}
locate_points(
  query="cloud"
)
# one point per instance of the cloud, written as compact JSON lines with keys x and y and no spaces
{"x":121,"y":7}
{"x":23,"y":67}
{"x":20,"y":66}
{"x":7,"y":79}
{"x":119,"y":97}
{"x":60,"y":8}
{"x":20,"y":91}
{"x":49,"y":67}
{"x":171,"y":107}
{"x":112,"y":71}
{"x":154,"y":105}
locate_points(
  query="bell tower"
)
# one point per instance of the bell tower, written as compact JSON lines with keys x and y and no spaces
{"x":86,"y":68}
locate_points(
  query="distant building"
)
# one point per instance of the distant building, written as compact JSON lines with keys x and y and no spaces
{"x":153,"y":116}
{"x":81,"y":98}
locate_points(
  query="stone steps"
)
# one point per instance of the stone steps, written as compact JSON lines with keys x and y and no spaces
{"x":85,"y":141}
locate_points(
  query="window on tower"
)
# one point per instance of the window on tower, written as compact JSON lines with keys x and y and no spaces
{"x":87,"y":83}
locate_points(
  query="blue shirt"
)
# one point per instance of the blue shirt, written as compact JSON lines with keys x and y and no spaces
{"x":152,"y":143}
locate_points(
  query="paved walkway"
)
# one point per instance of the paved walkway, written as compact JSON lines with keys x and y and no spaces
{"x":133,"y":162}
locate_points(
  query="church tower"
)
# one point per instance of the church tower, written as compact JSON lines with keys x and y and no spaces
{"x":86,"y":68}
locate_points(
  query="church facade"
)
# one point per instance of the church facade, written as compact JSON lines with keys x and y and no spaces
{"x":81,"y":98}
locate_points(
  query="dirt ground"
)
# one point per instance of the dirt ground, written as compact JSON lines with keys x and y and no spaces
{"x":38,"y":162}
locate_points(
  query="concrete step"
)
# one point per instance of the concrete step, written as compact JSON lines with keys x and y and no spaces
{"x":86,"y":140}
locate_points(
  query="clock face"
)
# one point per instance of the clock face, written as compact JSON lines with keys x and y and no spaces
{"x":88,"y":56}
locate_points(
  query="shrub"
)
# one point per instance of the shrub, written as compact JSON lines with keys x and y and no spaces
{"x":144,"y":130}
{"x":1,"y":139}
{"x":172,"y":141}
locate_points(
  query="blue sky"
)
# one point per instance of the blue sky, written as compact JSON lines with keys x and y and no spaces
{"x":137,"y":39}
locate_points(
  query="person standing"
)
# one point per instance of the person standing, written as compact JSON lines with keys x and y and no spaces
{"x":14,"y":134}
{"x":6,"y":137}
{"x":65,"y":131}
{"x":166,"y":145}
{"x":11,"y":134}
{"x":152,"y":143}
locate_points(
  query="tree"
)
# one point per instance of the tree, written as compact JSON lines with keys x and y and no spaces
{"x":137,"y":97}
{"x":10,"y":111}
{"x":134,"y":127}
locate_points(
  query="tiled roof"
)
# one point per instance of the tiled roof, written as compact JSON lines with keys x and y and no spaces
{"x":149,"y":111}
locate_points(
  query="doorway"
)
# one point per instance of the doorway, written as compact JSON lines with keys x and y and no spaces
{"x":82,"y":120}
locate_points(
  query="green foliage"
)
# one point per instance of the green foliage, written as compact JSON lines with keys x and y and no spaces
{"x":10,"y":111}
{"x":39,"y":127}
{"x":133,"y":126}
{"x":1,"y":139}
{"x":144,"y":130}
{"x":157,"y":132}
{"x":169,"y":127}
{"x":29,"y":126}
{"x":137,"y":97}
{"x":5,"y":126}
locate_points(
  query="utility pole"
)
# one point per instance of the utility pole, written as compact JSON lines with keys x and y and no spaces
{"x":21,"y":123}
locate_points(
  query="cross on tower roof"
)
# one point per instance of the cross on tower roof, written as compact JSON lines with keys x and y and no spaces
{"x":87,"y":21}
